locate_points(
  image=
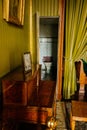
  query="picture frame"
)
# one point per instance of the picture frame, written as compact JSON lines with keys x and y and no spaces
{"x":27,"y":62}
{"x":13,"y":11}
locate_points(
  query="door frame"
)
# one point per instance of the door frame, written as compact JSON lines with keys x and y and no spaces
{"x":60,"y":47}
{"x":38,"y":32}
{"x":60,"y":50}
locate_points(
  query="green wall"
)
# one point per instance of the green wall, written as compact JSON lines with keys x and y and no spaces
{"x":14,"y":40}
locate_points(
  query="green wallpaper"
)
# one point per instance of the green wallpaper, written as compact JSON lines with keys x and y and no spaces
{"x":14,"y":41}
{"x":46,"y":7}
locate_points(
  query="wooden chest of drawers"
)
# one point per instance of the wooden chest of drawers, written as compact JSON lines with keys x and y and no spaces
{"x":28,"y":100}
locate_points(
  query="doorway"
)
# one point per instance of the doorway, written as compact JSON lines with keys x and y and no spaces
{"x":48,"y":46}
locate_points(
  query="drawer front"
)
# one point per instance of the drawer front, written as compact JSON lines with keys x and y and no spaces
{"x":14,"y":93}
{"x":31,"y":115}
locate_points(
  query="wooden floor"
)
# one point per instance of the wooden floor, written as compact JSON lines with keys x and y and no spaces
{"x":48,"y":76}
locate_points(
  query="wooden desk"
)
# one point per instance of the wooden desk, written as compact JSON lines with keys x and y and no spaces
{"x":29,"y":100}
{"x":17,"y":86}
{"x":78,"y":112}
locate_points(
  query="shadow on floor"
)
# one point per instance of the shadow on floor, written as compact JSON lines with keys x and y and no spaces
{"x":28,"y":126}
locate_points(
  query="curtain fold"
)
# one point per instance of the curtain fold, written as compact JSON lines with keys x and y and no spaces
{"x":75,"y":42}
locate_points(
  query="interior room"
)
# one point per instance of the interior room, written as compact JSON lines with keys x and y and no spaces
{"x":43,"y":70}
{"x":48,"y":37}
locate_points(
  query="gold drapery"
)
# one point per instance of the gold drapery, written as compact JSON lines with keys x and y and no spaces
{"x":75,"y":42}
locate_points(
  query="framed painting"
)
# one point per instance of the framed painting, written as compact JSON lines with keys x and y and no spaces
{"x":13,"y":11}
{"x":27,"y":62}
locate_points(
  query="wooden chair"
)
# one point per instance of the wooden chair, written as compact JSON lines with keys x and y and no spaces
{"x":78,"y":113}
{"x":81,"y":77}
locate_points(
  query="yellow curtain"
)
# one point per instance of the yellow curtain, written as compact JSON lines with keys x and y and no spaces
{"x":75,"y":42}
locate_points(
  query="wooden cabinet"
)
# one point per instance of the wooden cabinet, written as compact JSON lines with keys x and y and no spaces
{"x":15,"y":87}
{"x":26,"y":97}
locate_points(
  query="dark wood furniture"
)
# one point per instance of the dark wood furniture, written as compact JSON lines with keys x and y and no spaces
{"x":78,"y":112}
{"x":26,"y":97}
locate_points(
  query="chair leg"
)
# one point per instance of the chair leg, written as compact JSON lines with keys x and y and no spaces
{"x":72,"y":122}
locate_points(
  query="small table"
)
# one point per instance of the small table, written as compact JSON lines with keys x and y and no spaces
{"x":78,"y":112}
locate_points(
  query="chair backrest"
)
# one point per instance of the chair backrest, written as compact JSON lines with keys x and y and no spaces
{"x":81,"y":79}
{"x":80,"y":73}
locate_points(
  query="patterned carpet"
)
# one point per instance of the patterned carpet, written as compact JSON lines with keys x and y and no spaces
{"x":61,"y":116}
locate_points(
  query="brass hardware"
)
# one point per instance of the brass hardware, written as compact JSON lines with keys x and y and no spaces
{"x":52,"y":123}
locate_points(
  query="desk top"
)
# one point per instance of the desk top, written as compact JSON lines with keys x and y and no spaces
{"x":19,"y":75}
